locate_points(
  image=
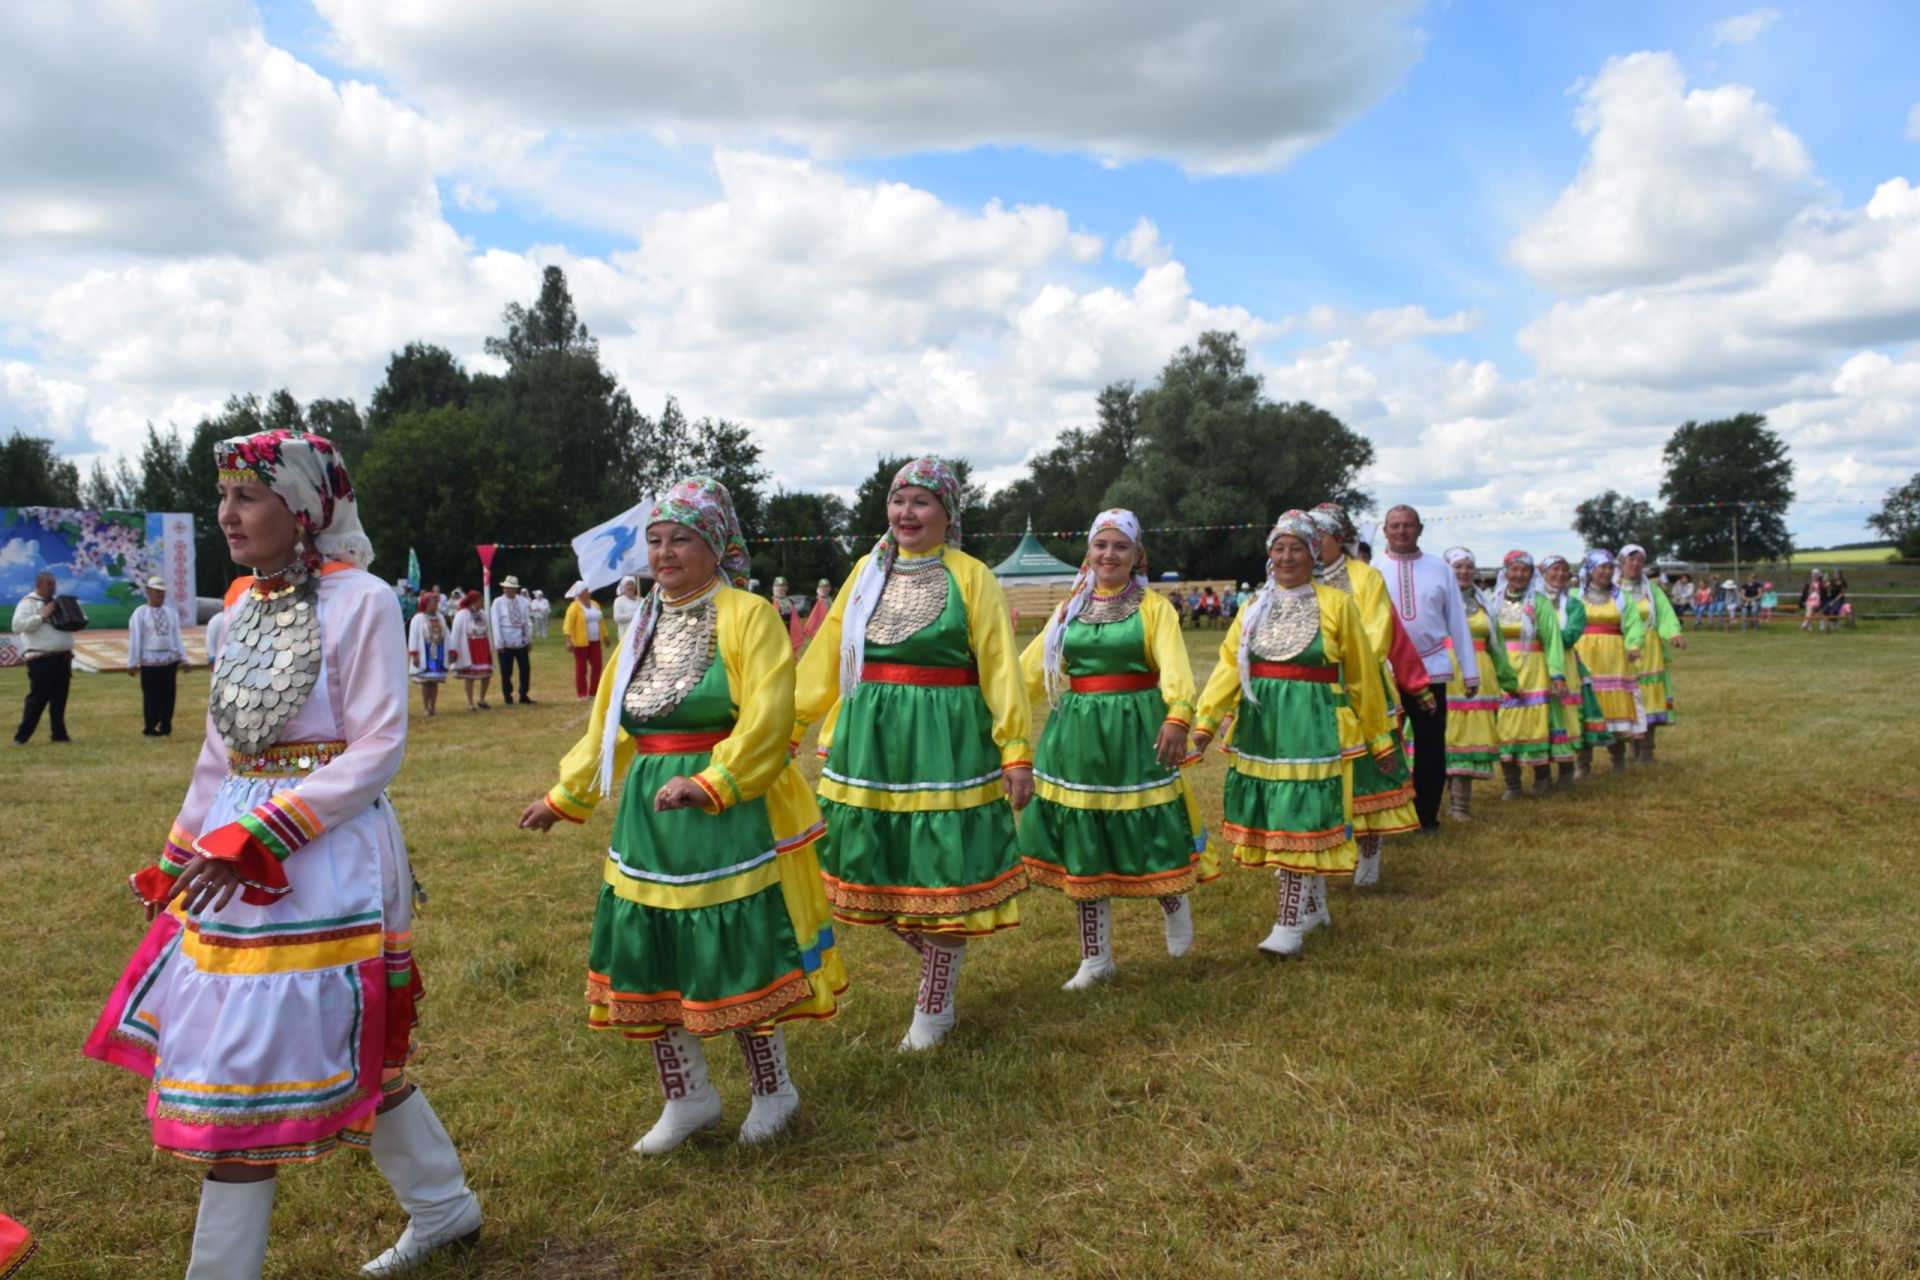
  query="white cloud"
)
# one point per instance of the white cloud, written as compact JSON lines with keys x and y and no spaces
{"x":52,"y":408}
{"x":1675,"y":182}
{"x":170,"y":129}
{"x":1744,"y":28}
{"x":1391,"y":324}
{"x":1142,"y":245}
{"x":1218,"y":86}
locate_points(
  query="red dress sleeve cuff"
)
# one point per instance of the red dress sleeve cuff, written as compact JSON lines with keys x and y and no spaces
{"x":262,"y":878}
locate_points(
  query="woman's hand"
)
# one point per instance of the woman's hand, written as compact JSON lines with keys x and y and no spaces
{"x":1559,"y":686}
{"x":1170,"y":748}
{"x":1633,"y":655}
{"x":1019,"y":786}
{"x":1679,"y":642}
{"x":679,"y":793}
{"x":1201,"y":741}
{"x":538,"y":816}
{"x":204,"y":885}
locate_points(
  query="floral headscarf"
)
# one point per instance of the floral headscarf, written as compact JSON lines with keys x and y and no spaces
{"x":937,"y":478}
{"x":1297,"y":524}
{"x":1054,"y":665}
{"x":1559,"y":598}
{"x":703,"y":505}
{"x":1331,"y":520}
{"x":1507,"y":561}
{"x":1593,"y":560}
{"x":307,"y":475}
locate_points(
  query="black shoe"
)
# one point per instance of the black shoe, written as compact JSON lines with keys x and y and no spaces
{"x":63,"y":739}
{"x":525,"y":701}
{"x":149,"y":733}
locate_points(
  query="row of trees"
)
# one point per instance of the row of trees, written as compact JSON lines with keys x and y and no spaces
{"x":1728,"y":479}
{"x":446,"y":458}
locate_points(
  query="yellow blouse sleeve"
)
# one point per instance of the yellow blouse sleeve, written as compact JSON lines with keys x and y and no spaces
{"x":1167,"y":654}
{"x":578,"y":790}
{"x":758,"y":655}
{"x":1359,"y":671}
{"x":817,"y":683}
{"x":1374,"y":606}
{"x":1033,"y":664}
{"x":990,"y":633}
{"x":1221,"y":697}
{"x":576,"y":625}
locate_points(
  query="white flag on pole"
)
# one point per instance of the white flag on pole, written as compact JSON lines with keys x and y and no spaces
{"x":611,"y":551}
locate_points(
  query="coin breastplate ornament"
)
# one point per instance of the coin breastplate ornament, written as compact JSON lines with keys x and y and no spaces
{"x":914,"y":596}
{"x":679,"y":654}
{"x":1513,"y":613}
{"x":1290,"y":625}
{"x":1100,"y":610}
{"x":269,"y":664}
{"x":1594,"y":595}
{"x":1338,"y":578}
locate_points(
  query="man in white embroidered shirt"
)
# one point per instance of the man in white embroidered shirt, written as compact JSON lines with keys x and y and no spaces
{"x":155,"y":654}
{"x":49,"y":656}
{"x":1427,"y":600}
{"x":512,"y":634}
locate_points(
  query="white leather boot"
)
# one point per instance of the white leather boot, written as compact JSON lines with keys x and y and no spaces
{"x":1287,"y":936}
{"x":1096,"y":945}
{"x":1366,"y":868}
{"x":933,"y":1015}
{"x":692,"y":1105}
{"x":412,"y":1148}
{"x":1178,"y":909}
{"x":774,"y":1097}
{"x":230,"y":1234}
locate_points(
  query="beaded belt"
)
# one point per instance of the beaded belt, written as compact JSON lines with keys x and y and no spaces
{"x":678,"y":744}
{"x":1603,"y":629}
{"x":1125,"y":682}
{"x":283,"y":759}
{"x":1292,"y":671}
{"x":902,"y":673}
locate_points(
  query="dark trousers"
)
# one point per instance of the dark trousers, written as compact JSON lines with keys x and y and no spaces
{"x":509,"y":660}
{"x":157,"y":686}
{"x":1429,"y":758}
{"x":48,"y":680}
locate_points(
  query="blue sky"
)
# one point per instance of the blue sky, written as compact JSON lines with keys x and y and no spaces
{"x":795,"y":226}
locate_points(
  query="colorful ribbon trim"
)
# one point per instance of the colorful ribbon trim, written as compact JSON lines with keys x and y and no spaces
{"x":928,"y":677}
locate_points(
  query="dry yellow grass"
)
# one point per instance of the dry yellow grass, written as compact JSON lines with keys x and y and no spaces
{"x":1663,"y":1026}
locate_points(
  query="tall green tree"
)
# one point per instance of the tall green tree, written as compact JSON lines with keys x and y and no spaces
{"x":1066,"y":484}
{"x":728,"y":452}
{"x":33,"y":475}
{"x":340,"y":422}
{"x":1899,"y":518}
{"x":802,"y":564}
{"x":110,"y":488}
{"x":1728,"y":460}
{"x":1212,"y":449}
{"x":1612,"y":520}
{"x":164,"y":479}
{"x":419,"y":377}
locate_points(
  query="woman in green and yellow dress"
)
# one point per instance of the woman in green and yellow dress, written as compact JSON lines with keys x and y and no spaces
{"x":1662,"y":628}
{"x":711,"y":917}
{"x":924,"y":722}
{"x":1610,"y":650}
{"x":1382,"y":794}
{"x":1112,"y":817}
{"x":1530,"y":634}
{"x":1473,"y":733}
{"x":1298,"y":670}
{"x":1577,"y":708}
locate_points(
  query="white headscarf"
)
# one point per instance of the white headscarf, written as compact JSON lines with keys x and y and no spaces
{"x":1297,"y":524}
{"x":1559,"y":598}
{"x":1527,"y":628}
{"x":1053,"y":647}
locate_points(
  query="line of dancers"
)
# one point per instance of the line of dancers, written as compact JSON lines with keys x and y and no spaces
{"x":271,"y":1002}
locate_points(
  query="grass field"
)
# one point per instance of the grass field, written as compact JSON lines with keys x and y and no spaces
{"x":1666,"y":1025}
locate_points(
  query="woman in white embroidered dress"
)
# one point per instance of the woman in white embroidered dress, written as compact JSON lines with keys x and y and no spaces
{"x":272,"y":1000}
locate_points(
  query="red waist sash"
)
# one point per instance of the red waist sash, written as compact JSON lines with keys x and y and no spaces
{"x":903,"y":673}
{"x":1126,"y":682}
{"x":675,"y":744}
{"x":1292,"y":671}
{"x":1479,"y":646}
{"x":1602,"y":629}
{"x":1530,"y":646}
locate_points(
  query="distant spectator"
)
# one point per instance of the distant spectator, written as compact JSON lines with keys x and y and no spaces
{"x":542,"y":611}
{"x":1702,"y":603}
{"x":49,"y":657}
{"x":1750,"y":603}
{"x":1810,"y":602}
{"x":1365,"y":550}
{"x":626,"y":607}
{"x":1681,"y":593}
{"x":1769,"y":601}
{"x":156,"y":656}
{"x":1833,"y":601}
